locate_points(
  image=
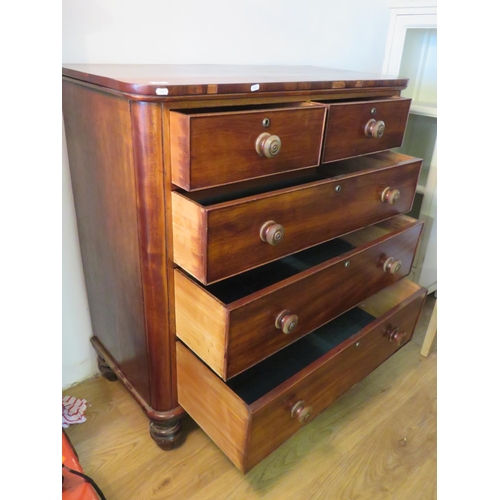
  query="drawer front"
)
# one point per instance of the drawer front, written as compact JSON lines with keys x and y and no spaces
{"x":211,"y":149}
{"x":219,"y":241}
{"x":315,"y":300}
{"x":249,"y":432}
{"x":353,"y":129}
{"x":272,"y":423}
{"x":232,"y":337}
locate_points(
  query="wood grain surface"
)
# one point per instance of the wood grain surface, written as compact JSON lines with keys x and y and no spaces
{"x":211,"y":79}
{"x":327,"y":379}
{"x":345,"y":129}
{"x":224,"y":416}
{"x":189,"y":235}
{"x":316,"y":299}
{"x":214,"y":148}
{"x":376,"y":442}
{"x":148,"y":166}
{"x":247,"y":433}
{"x":246,"y":334}
{"x":201,"y":322}
{"x":103,"y":178}
{"x":310,"y":213}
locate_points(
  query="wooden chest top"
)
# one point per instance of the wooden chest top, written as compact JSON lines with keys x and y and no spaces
{"x":170,"y":80}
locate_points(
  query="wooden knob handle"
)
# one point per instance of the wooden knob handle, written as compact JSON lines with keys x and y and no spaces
{"x":286,"y":322}
{"x":390,"y":196}
{"x":397,"y":336}
{"x":272,"y":233}
{"x":391,"y":265}
{"x":268,"y":145}
{"x":301,"y":411}
{"x":375,"y":128}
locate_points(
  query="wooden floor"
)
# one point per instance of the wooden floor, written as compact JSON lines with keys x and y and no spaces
{"x":378,"y":441}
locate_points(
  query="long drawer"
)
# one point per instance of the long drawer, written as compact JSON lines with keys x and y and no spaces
{"x":217,"y":235}
{"x":251,"y":415}
{"x":234,"y":324}
{"x":215,"y":147}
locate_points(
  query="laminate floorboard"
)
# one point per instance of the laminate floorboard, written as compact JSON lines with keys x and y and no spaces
{"x":376,"y":442}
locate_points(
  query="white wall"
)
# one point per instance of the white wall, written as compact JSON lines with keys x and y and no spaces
{"x":79,"y":359}
{"x":333,"y":33}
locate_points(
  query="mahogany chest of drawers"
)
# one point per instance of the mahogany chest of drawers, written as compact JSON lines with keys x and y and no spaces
{"x":243,"y":239}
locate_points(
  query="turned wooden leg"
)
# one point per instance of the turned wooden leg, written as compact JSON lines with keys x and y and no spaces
{"x":166,"y":433}
{"x":105,"y":370}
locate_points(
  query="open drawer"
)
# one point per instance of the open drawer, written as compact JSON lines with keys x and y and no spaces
{"x":212,"y":147}
{"x":238,"y":322}
{"x":251,"y":415}
{"x":362,"y":127}
{"x":219,"y":233}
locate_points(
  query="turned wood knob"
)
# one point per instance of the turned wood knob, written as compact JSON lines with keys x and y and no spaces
{"x":391,"y":265}
{"x":397,"y":336}
{"x":301,"y":411}
{"x":268,"y":145}
{"x":272,"y":233}
{"x":286,"y":322}
{"x":375,"y":128}
{"x":390,"y":196}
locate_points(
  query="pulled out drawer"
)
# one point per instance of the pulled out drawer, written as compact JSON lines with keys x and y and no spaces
{"x":358,"y":128}
{"x":215,"y":147}
{"x":219,"y":233}
{"x":236,"y":323}
{"x":251,"y":415}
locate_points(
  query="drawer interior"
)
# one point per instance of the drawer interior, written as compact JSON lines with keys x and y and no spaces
{"x":259,"y":380}
{"x":248,"y":107}
{"x":250,"y":415}
{"x":214,"y":196}
{"x":353,"y":100}
{"x":255,"y":280}
{"x":241,"y":190}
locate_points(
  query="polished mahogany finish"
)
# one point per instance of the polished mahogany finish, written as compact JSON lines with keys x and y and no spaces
{"x":232,"y":333}
{"x":165,"y":426}
{"x":164,"y":81}
{"x":249,"y":431}
{"x":212,"y":148}
{"x":358,"y":128}
{"x":215,"y":240}
{"x":116,"y":162}
{"x":105,"y":200}
{"x":214,"y":173}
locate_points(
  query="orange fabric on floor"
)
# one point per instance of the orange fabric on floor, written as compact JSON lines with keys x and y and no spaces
{"x":74,"y":487}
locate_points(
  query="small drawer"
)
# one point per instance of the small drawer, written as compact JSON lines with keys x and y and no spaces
{"x":238,"y":322}
{"x":211,"y":148}
{"x":359,"y":128}
{"x":251,"y":415}
{"x":217,"y":235}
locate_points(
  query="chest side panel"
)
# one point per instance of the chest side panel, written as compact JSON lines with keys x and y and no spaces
{"x":98,"y":132}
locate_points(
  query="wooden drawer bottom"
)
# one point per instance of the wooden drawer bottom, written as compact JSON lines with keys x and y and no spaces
{"x":252,"y":414}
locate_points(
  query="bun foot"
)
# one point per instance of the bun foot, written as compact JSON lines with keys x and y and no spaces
{"x":105,"y":370}
{"x":166,"y":434}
